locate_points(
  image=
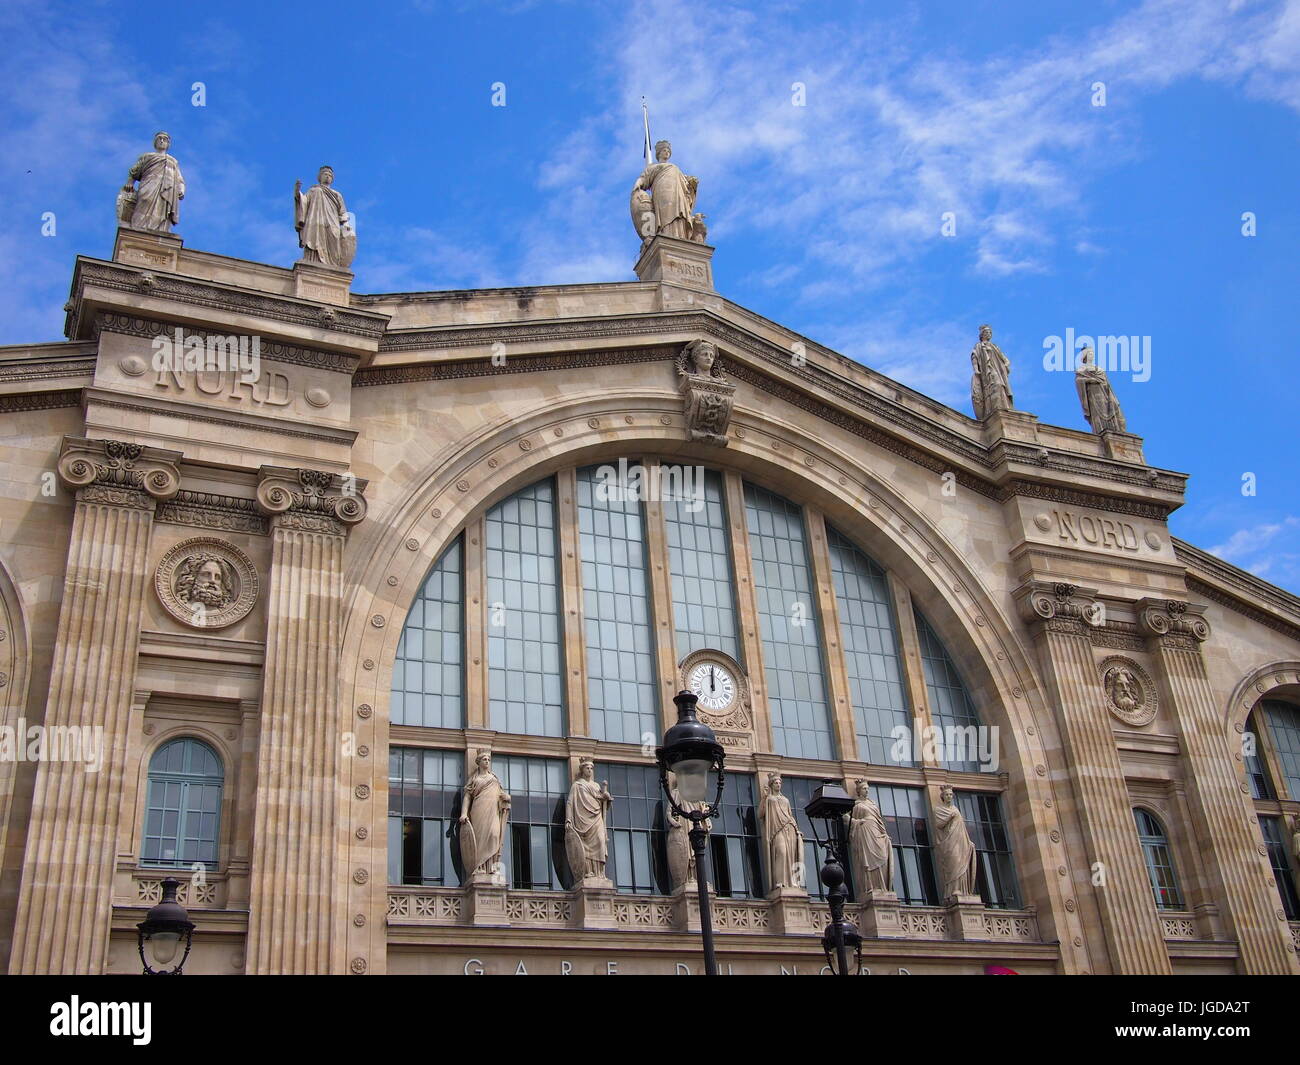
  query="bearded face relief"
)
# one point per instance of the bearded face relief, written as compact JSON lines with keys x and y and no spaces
{"x":1130,"y":695}
{"x":205,"y":580}
{"x":206,"y":583}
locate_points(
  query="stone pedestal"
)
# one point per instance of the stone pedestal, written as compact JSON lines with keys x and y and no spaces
{"x":1017,"y":425}
{"x":1126,"y":447}
{"x":143,"y":247}
{"x":789,"y":912}
{"x":64,"y":909}
{"x":880,"y":917}
{"x":593,"y":904}
{"x":965,"y":917}
{"x":686,"y":908}
{"x":324,"y":284}
{"x":681,"y":262}
{"x":485,"y":901}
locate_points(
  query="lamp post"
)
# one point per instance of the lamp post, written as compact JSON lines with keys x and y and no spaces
{"x":691,"y":751}
{"x":830,"y":804}
{"x":159,"y":935}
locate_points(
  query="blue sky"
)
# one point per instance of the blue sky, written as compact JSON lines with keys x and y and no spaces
{"x":1122,"y":219}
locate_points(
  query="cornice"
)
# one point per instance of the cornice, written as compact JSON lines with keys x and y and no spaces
{"x":198,"y":293}
{"x":274,"y":350}
{"x":42,"y":371}
{"x":27,"y":401}
{"x":1210,"y":568}
{"x":484,"y":367}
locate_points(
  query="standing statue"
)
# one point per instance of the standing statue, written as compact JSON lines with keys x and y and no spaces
{"x":586,"y":842}
{"x":484,"y":811}
{"x":709,"y":397}
{"x":681,"y":858}
{"x":663,"y":200}
{"x":325,"y":232}
{"x":990,"y":383}
{"x":781,"y":837}
{"x":953,"y":846}
{"x":155,"y":204}
{"x":871,"y":851}
{"x":1100,"y":406}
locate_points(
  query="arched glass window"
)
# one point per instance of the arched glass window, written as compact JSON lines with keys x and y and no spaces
{"x":870,"y":651}
{"x":183,"y":809}
{"x":1283,"y":723}
{"x":787,"y":612}
{"x":1160,"y":862}
{"x":525,"y":690}
{"x":1261,"y":786}
{"x":951,"y":708}
{"x":428,"y":676}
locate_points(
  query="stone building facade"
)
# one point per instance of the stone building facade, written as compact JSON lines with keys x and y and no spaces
{"x":294,"y":603}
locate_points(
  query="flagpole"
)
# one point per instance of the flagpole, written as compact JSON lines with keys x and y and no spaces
{"x":645,"y":115}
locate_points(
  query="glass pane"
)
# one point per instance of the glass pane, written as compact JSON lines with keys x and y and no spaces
{"x":430,"y":656}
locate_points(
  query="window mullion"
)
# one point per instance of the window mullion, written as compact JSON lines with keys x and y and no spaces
{"x":909,"y":645}
{"x":751,"y":640}
{"x":476,"y":633}
{"x":572,"y":624}
{"x":839,"y":695}
{"x":661,"y":597}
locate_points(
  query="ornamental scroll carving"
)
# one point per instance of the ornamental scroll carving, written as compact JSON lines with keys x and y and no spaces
{"x":206,"y":583}
{"x":1175,"y":623}
{"x":709,"y":396}
{"x":1060,"y":607}
{"x":1130,"y":694}
{"x":311,"y":500}
{"x":119,"y":473}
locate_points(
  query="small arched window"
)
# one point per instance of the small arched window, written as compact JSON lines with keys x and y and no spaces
{"x":183,"y":810}
{"x":1159,"y":860}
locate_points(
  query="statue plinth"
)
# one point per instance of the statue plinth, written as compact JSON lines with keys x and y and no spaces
{"x":485,"y":901}
{"x":677,"y":262}
{"x":1017,"y":425}
{"x":593,"y":903}
{"x":147,"y":248}
{"x":686,"y":907}
{"x":880,"y":915}
{"x":1127,"y":447}
{"x":789,"y":912}
{"x":965,"y":917}
{"x":324,"y":284}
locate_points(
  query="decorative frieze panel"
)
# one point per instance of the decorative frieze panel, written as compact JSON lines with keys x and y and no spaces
{"x":191,"y":894}
{"x":1179,"y":926}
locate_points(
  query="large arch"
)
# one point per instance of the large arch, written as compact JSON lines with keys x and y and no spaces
{"x":394,"y":552}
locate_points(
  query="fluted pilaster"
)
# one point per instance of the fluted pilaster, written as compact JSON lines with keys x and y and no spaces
{"x":1224,"y":821}
{"x":1058,"y":615}
{"x":65,"y":905}
{"x":294,"y":897}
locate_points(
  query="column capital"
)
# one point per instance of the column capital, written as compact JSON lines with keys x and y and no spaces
{"x":1173,"y":622}
{"x":119,"y":473}
{"x":1058,"y":606}
{"x":311,"y":500}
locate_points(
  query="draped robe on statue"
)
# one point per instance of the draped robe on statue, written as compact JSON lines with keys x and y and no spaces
{"x":320,"y":217}
{"x":671,"y":197}
{"x":157,"y":200}
{"x":585,"y":819}
{"x":1100,"y":406}
{"x":481,"y":845}
{"x":955,"y":851}
{"x":784,"y":847}
{"x":871,"y":851}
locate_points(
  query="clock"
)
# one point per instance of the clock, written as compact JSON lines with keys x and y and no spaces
{"x":714,"y":685}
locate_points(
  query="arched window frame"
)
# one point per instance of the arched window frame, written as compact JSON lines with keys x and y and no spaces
{"x":189,"y":800}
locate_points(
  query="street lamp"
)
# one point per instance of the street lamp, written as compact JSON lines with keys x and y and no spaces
{"x":160,"y":933}
{"x":690,"y":751}
{"x":829,"y":805}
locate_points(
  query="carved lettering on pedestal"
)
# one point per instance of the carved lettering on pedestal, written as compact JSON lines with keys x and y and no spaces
{"x":268,"y":388}
{"x":1086,"y":529}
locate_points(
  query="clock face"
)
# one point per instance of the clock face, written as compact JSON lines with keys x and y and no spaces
{"x":714,"y":685}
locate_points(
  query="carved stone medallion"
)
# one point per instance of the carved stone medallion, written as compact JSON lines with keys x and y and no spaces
{"x":1130,"y":694}
{"x":206,"y":583}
